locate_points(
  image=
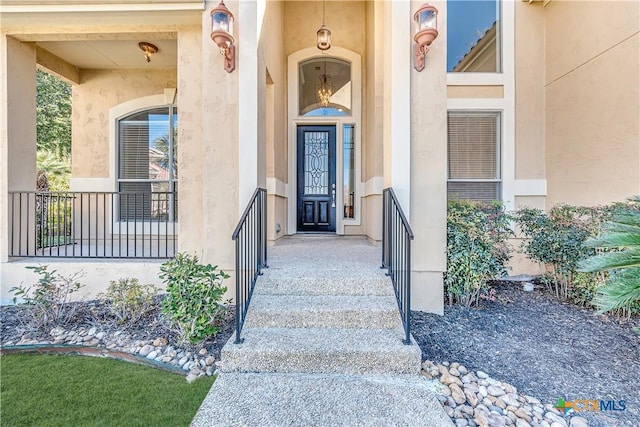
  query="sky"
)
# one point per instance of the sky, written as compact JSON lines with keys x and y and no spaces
{"x":467,"y":21}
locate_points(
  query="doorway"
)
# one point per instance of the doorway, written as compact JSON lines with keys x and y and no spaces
{"x":316,"y":166}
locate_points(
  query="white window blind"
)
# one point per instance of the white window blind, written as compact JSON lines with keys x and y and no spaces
{"x":474,"y":155}
{"x":147,"y":160}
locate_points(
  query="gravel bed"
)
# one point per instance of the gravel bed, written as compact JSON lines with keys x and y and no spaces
{"x":544,"y":347}
{"x":93,"y":325}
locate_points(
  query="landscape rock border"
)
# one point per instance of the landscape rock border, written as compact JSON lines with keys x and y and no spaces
{"x":473,"y":399}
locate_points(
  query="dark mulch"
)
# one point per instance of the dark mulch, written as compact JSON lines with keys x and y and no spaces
{"x":544,"y":347}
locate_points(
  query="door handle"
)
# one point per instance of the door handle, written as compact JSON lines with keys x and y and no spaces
{"x":333,"y":195}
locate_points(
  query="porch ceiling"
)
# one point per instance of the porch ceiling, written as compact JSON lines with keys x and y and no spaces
{"x":113,"y":54}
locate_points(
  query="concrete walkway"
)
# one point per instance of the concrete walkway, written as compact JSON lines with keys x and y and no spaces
{"x":323,"y":346}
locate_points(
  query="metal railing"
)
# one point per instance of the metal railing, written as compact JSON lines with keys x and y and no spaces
{"x":73,"y":224}
{"x":250,"y":236}
{"x":396,"y":255}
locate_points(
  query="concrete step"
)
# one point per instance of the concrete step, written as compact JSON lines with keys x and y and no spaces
{"x":320,"y":400}
{"x":317,"y":350}
{"x":329,"y":311}
{"x":326,"y":282}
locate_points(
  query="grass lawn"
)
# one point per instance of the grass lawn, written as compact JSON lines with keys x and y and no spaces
{"x":55,"y":390}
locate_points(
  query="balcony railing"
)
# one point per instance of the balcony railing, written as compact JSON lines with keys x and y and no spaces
{"x":75,"y":224}
{"x":396,"y":255}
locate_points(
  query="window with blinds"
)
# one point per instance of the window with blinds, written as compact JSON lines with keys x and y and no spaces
{"x":147,"y":165}
{"x":474,"y":156}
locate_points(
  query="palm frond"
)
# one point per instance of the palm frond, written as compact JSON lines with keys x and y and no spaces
{"x":611,"y":260}
{"x":622,"y":289}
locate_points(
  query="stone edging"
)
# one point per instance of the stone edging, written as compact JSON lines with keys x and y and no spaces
{"x":473,"y":399}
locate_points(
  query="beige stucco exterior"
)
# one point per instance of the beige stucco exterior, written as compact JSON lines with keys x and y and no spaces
{"x":592,"y":112}
{"x":569,"y":111}
{"x":91,"y":104}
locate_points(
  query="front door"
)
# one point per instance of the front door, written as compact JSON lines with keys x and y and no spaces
{"x":317,"y":178}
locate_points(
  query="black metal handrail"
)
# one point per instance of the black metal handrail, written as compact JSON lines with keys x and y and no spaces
{"x":90,"y":224}
{"x":396,"y":255}
{"x":250,"y":236}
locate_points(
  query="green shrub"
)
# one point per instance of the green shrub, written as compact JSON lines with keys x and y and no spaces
{"x":557,"y":239}
{"x":50,"y":298}
{"x":477,"y":249}
{"x":128,"y":300}
{"x":194,"y":296}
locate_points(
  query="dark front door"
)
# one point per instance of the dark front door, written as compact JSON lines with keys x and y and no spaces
{"x":317,"y":178}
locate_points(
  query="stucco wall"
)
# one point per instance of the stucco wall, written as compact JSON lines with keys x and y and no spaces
{"x":345,"y":19}
{"x":272,"y":58}
{"x":592,"y":102}
{"x":529,"y":91}
{"x":98,"y":92}
{"x":272,"y":125}
{"x":428,"y":215}
{"x":17,"y":131}
{"x":190,"y":148}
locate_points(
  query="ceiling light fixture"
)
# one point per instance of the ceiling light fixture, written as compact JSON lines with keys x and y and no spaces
{"x":148,"y":49}
{"x":324,"y":35}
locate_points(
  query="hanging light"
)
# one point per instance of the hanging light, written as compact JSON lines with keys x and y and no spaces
{"x":325,"y":89}
{"x":323,"y":34}
{"x":148,"y":49}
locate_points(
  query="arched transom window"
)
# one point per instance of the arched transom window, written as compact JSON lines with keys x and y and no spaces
{"x":324,"y":87}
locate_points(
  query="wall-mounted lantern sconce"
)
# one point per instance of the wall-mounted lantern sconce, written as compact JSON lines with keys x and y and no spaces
{"x":222,"y":34}
{"x":426,"y":32}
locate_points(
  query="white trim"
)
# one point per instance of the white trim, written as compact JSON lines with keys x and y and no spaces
{"x":530,"y":187}
{"x":509,"y":112}
{"x":247,"y":69}
{"x":294,"y":120}
{"x":373,"y":186}
{"x":75,"y":8}
{"x":276,"y":187}
{"x":111,"y":183}
{"x":475,"y":79}
{"x":476,"y":103}
{"x":505,"y":105}
{"x":400,"y":103}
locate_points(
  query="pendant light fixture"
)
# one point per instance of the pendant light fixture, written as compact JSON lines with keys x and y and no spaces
{"x":323,"y":34}
{"x":325,"y":89}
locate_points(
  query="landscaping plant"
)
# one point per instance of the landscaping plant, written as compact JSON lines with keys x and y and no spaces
{"x":194,"y":296}
{"x":556,"y":239}
{"x":620,"y":240}
{"x":128,"y":300}
{"x":50,"y":298}
{"x":477,"y":249}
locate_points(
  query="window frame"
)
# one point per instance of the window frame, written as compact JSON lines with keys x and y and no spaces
{"x":172,"y":181}
{"x":499,"y":114}
{"x":500,"y":54}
